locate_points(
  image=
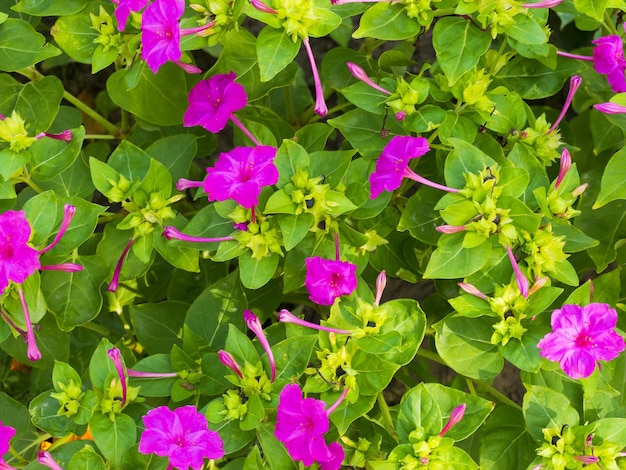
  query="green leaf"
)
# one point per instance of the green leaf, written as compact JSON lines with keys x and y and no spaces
{"x":154,"y":387}
{"x":332,"y":165}
{"x":459,"y":45}
{"x":49,"y":7}
{"x":465,"y":158}
{"x":419,"y":217}
{"x":294,"y":228}
{"x":346,"y":413}
{"x":465,"y":345}
{"x":452,"y":261}
{"x":113,"y":437}
{"x":51,"y":157}
{"x":429,"y":405}
{"x":75,"y":34}
{"x":275,"y":50}
{"x":529,"y":38}
{"x":256,"y":273}
{"x":524,"y":354}
{"x":289,"y":158}
{"x":387,"y":21}
{"x":505,"y":443}
{"x":176,"y":153}
{"x":21,"y":46}
{"x":158,"y":326}
{"x":274,"y":451}
{"x":86,"y":459}
{"x":292,"y":356}
{"x":43,"y":411}
{"x":131,"y":161}
{"x":159,"y":99}
{"x":546,"y":408}
{"x":102,"y":58}
{"x":75,"y":298}
{"x":238,"y":344}
{"x":11,"y":161}
{"x":373,"y":373}
{"x":612,"y":186}
{"x":593,"y":8}
{"x":225,"y":302}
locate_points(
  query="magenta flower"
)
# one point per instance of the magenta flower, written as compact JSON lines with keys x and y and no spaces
{"x":254,"y":325}
{"x":116,"y":357}
{"x":212,"y":102}
{"x":160,"y":35}
{"x":381,"y":283}
{"x":46,"y":459}
{"x":565,"y":164}
{"x":6,"y":434}
{"x":180,"y":435}
{"x":610,"y":108}
{"x":18,"y":259}
{"x":580,"y":337}
{"x":393,"y":165}
{"x":301,"y":424}
{"x":115,"y":280}
{"x":229,"y":361}
{"x":241,"y":174}
{"x":123,"y":9}
{"x":608,"y":59}
{"x":520,"y":279}
{"x":328,"y":279}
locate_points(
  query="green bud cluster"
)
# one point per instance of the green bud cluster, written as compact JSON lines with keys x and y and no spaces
{"x":236,"y":408}
{"x":262,"y":238}
{"x":509,"y":304}
{"x":13,"y":131}
{"x":103,"y":24}
{"x":218,"y":11}
{"x":297,"y":17}
{"x":111,"y":402}
{"x":544,"y":146}
{"x":69,"y":398}
{"x":543,"y":250}
{"x":421,"y":10}
{"x":498,"y":15}
{"x":146,"y":211}
{"x":408,"y":95}
{"x":471,"y":89}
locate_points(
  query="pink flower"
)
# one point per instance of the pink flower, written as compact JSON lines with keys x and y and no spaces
{"x":328,"y":279}
{"x":393,"y":165}
{"x":6,"y":434}
{"x":301,"y":424}
{"x":46,"y":459}
{"x":18,"y":260}
{"x":285,"y":316}
{"x":608,"y":59}
{"x":574,"y":83}
{"x":180,"y":435}
{"x":160,"y":36}
{"x":456,"y":415}
{"x":123,"y":9}
{"x":564,"y":166}
{"x":212,"y":102}
{"x":582,"y":336}
{"x":520,"y":279}
{"x":610,"y":108}
{"x":255,"y":326}
{"x":241,"y":174}
{"x":116,"y":357}
{"x":229,"y":361}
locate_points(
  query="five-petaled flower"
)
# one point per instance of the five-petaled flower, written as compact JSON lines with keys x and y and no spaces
{"x":6,"y":434}
{"x":181,"y":435}
{"x":301,"y":424}
{"x":393,"y":165}
{"x":582,"y":336}
{"x":124,"y":8}
{"x":213,"y":101}
{"x":241,"y":174}
{"x":328,"y":279}
{"x":608,"y":59}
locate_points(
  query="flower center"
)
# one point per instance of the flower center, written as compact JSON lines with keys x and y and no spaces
{"x":584,"y":341}
{"x":6,"y":250}
{"x":335,"y":279}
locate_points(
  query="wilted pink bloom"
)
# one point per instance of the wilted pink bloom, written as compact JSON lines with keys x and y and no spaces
{"x":328,"y":279}
{"x":170,"y":233}
{"x":449,"y":229}
{"x":455,"y":416}
{"x":65,"y":136}
{"x":543,"y":4}
{"x":610,"y":108}
{"x":254,"y":325}
{"x":301,"y":424}
{"x":123,"y":9}
{"x":520,"y":279}
{"x":393,"y":165}
{"x":241,"y":174}
{"x":116,"y":357}
{"x":213,"y":101}
{"x":6,"y":434}
{"x":565,"y":164}
{"x":69,"y":212}
{"x":18,"y":259}
{"x":358,"y":73}
{"x":46,"y":459}
{"x":115,"y":280}
{"x":574,"y":83}
{"x":608,"y":59}
{"x":580,"y":337}
{"x":180,"y":435}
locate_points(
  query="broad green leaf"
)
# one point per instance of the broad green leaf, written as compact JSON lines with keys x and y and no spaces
{"x":419,"y":217}
{"x":219,"y":305}
{"x":158,"y":326}
{"x":459,"y":45}
{"x":294,"y":228}
{"x":346,"y":413}
{"x":21,"y":46}
{"x":131,"y":161}
{"x":43,"y":411}
{"x":240,"y":346}
{"x":86,"y":459}
{"x":289,"y":158}
{"x":275,"y":50}
{"x":51,"y":157}
{"x":75,"y":33}
{"x":612,"y":186}
{"x":546,"y":408}
{"x":465,"y":345}
{"x":387,"y":21}
{"x":256,"y":273}
{"x":452,"y":261}
{"x":429,"y":406}
{"x":176,"y":153}
{"x":292,"y":356}
{"x":49,"y":7}
{"x":465,"y":158}
{"x":276,"y":455}
{"x":159,"y":99}
{"x":113,"y":437}
{"x":505,"y":443}
{"x":593,"y":8}
{"x":529,"y":39}
{"x":524,"y":354}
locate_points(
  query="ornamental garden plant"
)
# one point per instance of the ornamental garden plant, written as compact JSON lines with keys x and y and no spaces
{"x":288,"y":234}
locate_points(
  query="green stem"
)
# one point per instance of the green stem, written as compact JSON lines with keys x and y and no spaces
{"x":100,"y":137}
{"x":496,"y":394}
{"x":431,"y":355}
{"x":105,"y":332}
{"x":608,"y":24}
{"x":443,"y":12}
{"x":31,"y":184}
{"x":385,"y":414}
{"x":109,"y":126}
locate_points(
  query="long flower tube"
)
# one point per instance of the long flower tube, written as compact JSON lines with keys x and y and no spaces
{"x":229,"y":361}
{"x":69,"y":212}
{"x":116,"y":357}
{"x":522,"y":282}
{"x":33,"y":352}
{"x":285,"y":316}
{"x":358,"y":73}
{"x":254,"y":325}
{"x":173,"y":233}
{"x":574,"y":83}
{"x":320,"y":104}
{"x":115,"y":281}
